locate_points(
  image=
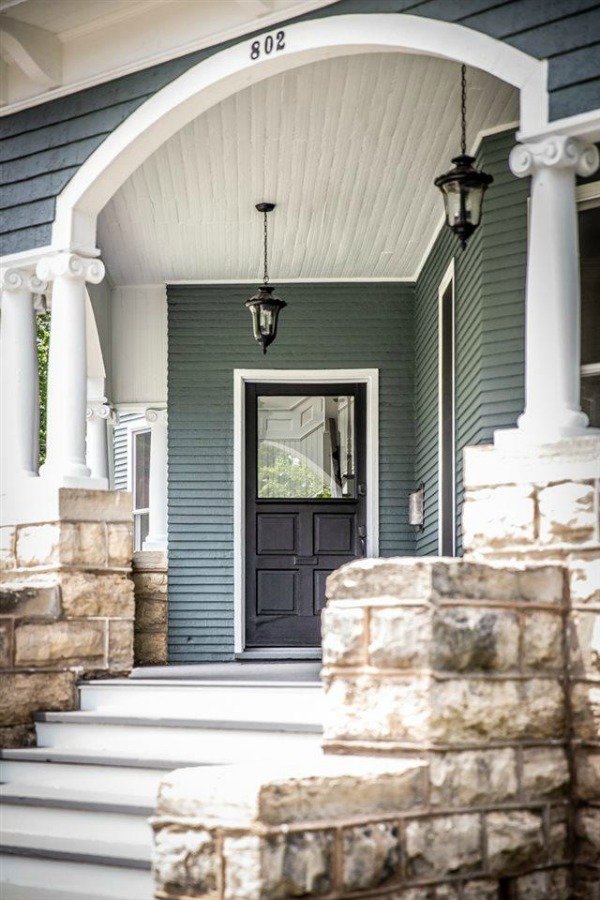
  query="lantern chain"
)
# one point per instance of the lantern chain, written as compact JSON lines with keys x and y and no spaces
{"x":463,"y":110}
{"x":266,"y":270}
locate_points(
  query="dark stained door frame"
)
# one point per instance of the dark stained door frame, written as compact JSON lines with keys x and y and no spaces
{"x":291,"y":545}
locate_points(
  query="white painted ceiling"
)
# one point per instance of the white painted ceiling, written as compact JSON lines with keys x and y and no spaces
{"x":348,"y":149}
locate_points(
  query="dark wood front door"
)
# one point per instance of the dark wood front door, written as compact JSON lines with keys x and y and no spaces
{"x":305,"y":504}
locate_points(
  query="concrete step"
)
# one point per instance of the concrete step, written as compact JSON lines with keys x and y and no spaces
{"x":31,"y":811}
{"x":171,"y":738}
{"x":277,"y":702}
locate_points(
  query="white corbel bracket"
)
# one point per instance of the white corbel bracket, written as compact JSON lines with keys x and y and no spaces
{"x":36,"y":51}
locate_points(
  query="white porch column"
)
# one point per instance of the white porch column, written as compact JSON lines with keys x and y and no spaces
{"x":157,"y":532}
{"x":552,"y":353}
{"x":67,"y":367}
{"x":99,"y":416}
{"x":19,"y":373}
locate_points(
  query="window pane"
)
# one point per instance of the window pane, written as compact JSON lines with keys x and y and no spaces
{"x":141,"y":524}
{"x":306,"y":447}
{"x":141,"y":479}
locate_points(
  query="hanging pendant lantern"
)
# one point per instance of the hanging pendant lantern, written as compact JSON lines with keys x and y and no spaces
{"x":264,"y":306}
{"x":463,"y":186}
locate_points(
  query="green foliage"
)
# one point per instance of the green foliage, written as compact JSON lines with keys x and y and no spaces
{"x":283,"y":475}
{"x":43,"y":346}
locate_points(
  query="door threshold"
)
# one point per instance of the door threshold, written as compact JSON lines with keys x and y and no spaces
{"x":279,"y":653}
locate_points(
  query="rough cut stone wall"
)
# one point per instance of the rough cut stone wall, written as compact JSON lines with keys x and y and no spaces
{"x":150,"y":579}
{"x":66,"y":606}
{"x":545,"y":506}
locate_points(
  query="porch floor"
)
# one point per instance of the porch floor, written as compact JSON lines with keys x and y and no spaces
{"x":308,"y":671}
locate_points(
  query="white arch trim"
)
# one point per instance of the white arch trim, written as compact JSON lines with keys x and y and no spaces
{"x":229,"y":71}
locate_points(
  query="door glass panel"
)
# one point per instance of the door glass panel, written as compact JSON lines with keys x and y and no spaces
{"x":306,"y":447}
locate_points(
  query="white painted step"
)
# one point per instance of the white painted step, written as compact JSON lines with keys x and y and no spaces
{"x":239,"y":701}
{"x":23,"y":877}
{"x":62,"y":769}
{"x":199,"y":743}
{"x":30,"y":811}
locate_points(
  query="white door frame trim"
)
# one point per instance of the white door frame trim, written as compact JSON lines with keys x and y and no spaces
{"x":369,"y":377}
{"x":231,"y":70}
{"x":449,"y":278}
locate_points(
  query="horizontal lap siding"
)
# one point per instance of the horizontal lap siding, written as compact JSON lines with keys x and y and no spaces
{"x":44,"y":146}
{"x":490,"y":310}
{"x":324,"y":326}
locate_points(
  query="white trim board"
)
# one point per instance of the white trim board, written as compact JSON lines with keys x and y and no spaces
{"x":448,"y":279}
{"x":369,"y":377}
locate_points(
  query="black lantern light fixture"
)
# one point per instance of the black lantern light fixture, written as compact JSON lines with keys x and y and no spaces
{"x":264,"y":306}
{"x":463,"y":186}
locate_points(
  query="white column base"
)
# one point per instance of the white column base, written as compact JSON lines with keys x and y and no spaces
{"x":155,"y":543}
{"x":512,"y":439}
{"x":59,"y":479}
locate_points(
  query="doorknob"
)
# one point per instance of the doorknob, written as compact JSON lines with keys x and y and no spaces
{"x":362,"y":490}
{"x":362,"y":535}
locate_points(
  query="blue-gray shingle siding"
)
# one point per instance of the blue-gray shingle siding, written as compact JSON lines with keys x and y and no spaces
{"x":45,"y":145}
{"x":324,"y":326}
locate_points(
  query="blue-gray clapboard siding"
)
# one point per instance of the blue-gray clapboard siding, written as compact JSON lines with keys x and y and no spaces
{"x":324,"y":326}
{"x":490,"y":326}
{"x":44,"y":146}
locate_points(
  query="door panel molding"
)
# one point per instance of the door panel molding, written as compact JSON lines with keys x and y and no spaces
{"x":369,"y":377}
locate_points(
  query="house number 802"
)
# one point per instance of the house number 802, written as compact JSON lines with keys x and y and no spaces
{"x":267,"y":45}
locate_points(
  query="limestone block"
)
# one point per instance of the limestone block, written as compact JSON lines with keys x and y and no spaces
{"x":81,"y":505}
{"x":400,"y":638}
{"x":14,"y":736}
{"x":584,"y":577}
{"x":150,"y":615}
{"x":8,"y":558}
{"x":466,"y":639}
{"x":459,"y":579}
{"x":566,"y":513}
{"x":24,"y":693}
{"x":368,"y":709}
{"x":6,"y":643}
{"x":549,"y":885}
{"x":557,"y":834}
{"x":38,"y":545}
{"x":30,"y":596}
{"x":150,"y":648}
{"x":444,"y":845}
{"x":587,"y":774}
{"x":473,"y":778}
{"x":402,"y":578}
{"x":243,"y":868}
{"x":343,"y":636}
{"x":585,"y":710}
{"x":542,"y":641}
{"x":61,"y":643}
{"x":584,"y":643}
{"x":297,"y":865}
{"x":514,"y":838}
{"x":319,"y":788}
{"x":498,"y":517}
{"x":446,"y":892}
{"x":587,"y":830}
{"x":418,"y":893}
{"x":150,"y":584}
{"x":482,"y":889}
{"x":96,"y":594}
{"x":83,"y":544}
{"x":475,"y":710}
{"x":120,"y":644}
{"x":371,"y":855}
{"x":185,"y":861}
{"x":545,"y":772}
{"x":120,"y":543}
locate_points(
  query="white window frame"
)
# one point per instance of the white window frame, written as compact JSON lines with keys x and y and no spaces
{"x":449,"y":278}
{"x":133,"y":429}
{"x":369,"y":377}
{"x":588,"y":197}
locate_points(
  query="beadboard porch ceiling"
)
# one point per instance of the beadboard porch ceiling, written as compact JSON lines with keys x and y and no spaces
{"x":348,"y":149}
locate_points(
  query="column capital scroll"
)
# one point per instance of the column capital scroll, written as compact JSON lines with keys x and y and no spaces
{"x":101,"y":410}
{"x":21,"y":280}
{"x":70,"y":265}
{"x":555,"y":151}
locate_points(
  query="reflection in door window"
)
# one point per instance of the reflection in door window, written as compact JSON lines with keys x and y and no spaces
{"x":306,"y":447}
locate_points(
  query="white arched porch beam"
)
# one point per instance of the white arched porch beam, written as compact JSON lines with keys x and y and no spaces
{"x":232,"y":70}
